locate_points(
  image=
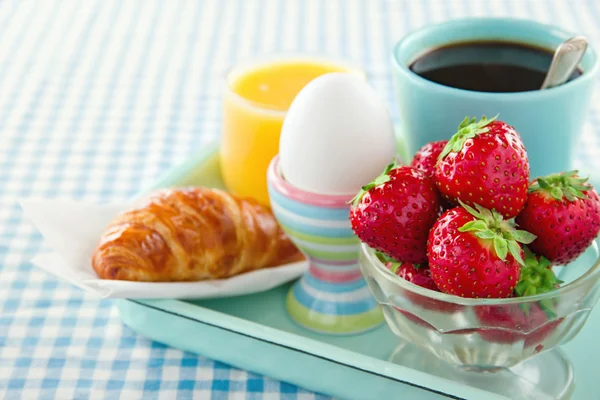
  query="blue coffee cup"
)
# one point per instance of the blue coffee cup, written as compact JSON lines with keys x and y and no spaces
{"x":550,"y":121}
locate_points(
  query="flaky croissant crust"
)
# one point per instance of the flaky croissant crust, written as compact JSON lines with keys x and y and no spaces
{"x":191,"y":234}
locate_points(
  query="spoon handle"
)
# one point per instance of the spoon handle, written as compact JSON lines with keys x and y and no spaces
{"x":565,"y":60}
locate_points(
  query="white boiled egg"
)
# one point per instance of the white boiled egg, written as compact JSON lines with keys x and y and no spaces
{"x":337,"y":136}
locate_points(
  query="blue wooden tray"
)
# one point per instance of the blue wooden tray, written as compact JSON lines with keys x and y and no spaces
{"x":255,"y":333}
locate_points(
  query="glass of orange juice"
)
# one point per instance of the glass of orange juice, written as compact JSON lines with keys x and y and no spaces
{"x":256,"y":99}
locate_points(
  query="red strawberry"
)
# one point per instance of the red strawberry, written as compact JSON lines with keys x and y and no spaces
{"x":420,"y":275}
{"x":394,"y":213}
{"x":486,"y":163}
{"x":425,"y":160}
{"x":427,"y":156}
{"x":510,"y":323}
{"x":527,"y":321}
{"x":414,"y":273}
{"x":563,"y":211}
{"x":475,"y":253}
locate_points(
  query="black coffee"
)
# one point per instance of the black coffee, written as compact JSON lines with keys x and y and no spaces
{"x":487,"y":66}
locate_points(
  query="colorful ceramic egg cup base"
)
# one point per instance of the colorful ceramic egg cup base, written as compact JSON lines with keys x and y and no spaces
{"x":316,"y":311}
{"x":332,"y":297}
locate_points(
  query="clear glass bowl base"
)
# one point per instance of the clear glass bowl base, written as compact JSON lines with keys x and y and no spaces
{"x":547,"y":376}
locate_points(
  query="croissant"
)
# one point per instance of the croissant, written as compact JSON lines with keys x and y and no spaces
{"x":191,"y":234}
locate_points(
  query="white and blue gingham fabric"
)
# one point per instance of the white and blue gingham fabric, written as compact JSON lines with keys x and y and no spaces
{"x":99,"y":97}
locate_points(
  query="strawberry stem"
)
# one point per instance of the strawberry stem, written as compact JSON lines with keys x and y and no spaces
{"x":490,"y":226}
{"x":384,"y":258}
{"x":468,"y":129}
{"x":380,"y":180}
{"x":536,"y":276}
{"x":562,"y":185}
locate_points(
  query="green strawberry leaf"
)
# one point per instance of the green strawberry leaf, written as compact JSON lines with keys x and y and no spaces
{"x":529,"y":291}
{"x":567,"y":184}
{"x":545,"y":263}
{"x":465,"y":122}
{"x":496,"y":215}
{"x":490,"y":225}
{"x":474,"y":226}
{"x":557,"y":193}
{"x":543,"y":184}
{"x":501,"y":247}
{"x":523,"y":236}
{"x":487,"y":234}
{"x":521,"y":288}
{"x":468,"y":129}
{"x":384,"y":258}
{"x":356,"y":199}
{"x":395,"y":266}
{"x":471,"y":210}
{"x":536,"y":277}
{"x":380,"y":180}
{"x":488,"y":214}
{"x":456,"y":146}
{"x":515,"y":251}
{"x":529,"y":255}
{"x":569,"y":195}
{"x":575,"y":192}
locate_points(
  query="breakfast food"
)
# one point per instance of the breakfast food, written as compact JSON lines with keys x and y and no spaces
{"x":475,"y":253}
{"x":502,"y":236}
{"x":563,"y":211}
{"x":512,"y":320}
{"x":191,"y":234}
{"x":419,"y":274}
{"x":513,"y":323}
{"x":485,"y":163}
{"x":254,"y":107}
{"x":337,"y":135}
{"x":394,"y":213}
{"x":426,"y":157}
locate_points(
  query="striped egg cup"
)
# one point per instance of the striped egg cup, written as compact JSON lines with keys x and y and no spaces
{"x":332,"y":297}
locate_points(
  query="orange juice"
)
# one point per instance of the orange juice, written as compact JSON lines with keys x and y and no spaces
{"x":255,"y":102}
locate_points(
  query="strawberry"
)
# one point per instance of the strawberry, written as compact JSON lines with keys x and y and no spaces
{"x":485,"y":162}
{"x":426,"y":157}
{"x":476,"y":253}
{"x":525,"y":321}
{"x":418,"y":274}
{"x":563,"y":211}
{"x":510,"y":323}
{"x":393,"y":214}
{"x":414,"y":273}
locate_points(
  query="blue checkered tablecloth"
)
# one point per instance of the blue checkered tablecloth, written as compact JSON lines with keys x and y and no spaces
{"x":97,"y":98}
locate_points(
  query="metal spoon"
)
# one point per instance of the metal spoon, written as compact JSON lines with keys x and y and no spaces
{"x":565,"y":60}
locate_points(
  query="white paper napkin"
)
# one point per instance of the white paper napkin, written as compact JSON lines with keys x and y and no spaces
{"x":72,"y":229}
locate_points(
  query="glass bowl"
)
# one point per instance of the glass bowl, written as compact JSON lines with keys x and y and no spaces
{"x":486,"y":334}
